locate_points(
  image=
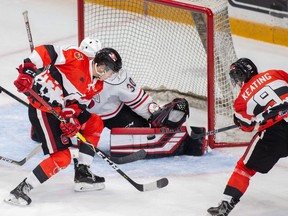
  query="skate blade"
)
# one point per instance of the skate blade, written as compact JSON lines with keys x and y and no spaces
{"x":79,"y":187}
{"x":12,"y":200}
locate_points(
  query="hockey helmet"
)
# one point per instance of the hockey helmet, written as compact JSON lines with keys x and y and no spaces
{"x":242,"y":70}
{"x":110,"y":57}
{"x":90,"y":46}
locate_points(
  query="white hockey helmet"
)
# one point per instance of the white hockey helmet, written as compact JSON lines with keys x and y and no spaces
{"x":90,"y":46}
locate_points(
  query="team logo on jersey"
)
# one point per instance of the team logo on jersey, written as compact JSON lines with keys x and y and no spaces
{"x":78,"y":56}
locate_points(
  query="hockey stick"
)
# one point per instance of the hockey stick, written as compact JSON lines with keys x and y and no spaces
{"x":13,"y":96}
{"x":24,"y":160}
{"x":27,"y":24}
{"x":163,"y":182}
{"x":278,"y":112}
{"x":200,"y":135}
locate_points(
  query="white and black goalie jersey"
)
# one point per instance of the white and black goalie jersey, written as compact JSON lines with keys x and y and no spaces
{"x":118,"y":90}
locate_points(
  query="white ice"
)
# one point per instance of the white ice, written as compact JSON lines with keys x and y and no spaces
{"x":195,"y":183}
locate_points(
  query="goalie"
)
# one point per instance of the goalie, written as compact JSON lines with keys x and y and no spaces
{"x":136,"y":122}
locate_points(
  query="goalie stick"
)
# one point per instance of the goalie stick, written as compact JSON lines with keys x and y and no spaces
{"x":200,"y":135}
{"x":163,"y":182}
{"x":24,"y":160}
{"x":141,"y":154}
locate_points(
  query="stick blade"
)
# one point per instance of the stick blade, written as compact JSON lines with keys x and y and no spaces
{"x":161,"y":183}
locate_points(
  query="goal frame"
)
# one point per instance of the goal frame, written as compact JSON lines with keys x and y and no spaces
{"x":210,"y":60}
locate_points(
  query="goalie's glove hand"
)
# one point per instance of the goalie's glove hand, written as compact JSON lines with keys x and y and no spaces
{"x":72,"y":125}
{"x":25,"y":79}
{"x":171,"y":115}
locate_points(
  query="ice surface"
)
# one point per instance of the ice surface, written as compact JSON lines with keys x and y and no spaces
{"x":195,"y":183}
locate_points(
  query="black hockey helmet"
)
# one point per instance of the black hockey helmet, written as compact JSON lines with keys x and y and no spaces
{"x":242,"y":70}
{"x":109,"y":57}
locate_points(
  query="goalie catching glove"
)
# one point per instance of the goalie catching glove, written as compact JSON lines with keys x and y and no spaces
{"x":72,"y":125}
{"x":25,"y":79}
{"x":171,"y":115}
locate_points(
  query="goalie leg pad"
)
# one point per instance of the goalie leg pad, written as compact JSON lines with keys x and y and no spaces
{"x":157,"y":142}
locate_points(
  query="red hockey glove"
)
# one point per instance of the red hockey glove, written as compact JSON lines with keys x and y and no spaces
{"x":72,"y":125}
{"x":25,"y":79}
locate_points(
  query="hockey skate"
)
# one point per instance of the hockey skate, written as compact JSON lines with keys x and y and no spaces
{"x":19,"y":196}
{"x":223,"y":209}
{"x":85,"y":180}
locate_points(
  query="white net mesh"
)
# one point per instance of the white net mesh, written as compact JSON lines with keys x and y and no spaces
{"x":164,"y":47}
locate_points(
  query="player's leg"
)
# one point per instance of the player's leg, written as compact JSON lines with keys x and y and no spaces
{"x":91,"y":129}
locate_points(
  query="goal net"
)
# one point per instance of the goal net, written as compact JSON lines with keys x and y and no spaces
{"x":171,"y":49}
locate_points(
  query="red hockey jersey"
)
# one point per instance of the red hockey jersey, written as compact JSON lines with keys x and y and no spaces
{"x":263,"y":99}
{"x":66,"y":78}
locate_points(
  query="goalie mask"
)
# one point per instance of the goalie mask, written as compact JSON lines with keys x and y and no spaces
{"x":171,"y":115}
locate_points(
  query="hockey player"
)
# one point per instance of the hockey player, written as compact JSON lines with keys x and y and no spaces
{"x":263,"y":99}
{"x":68,"y":85}
{"x":90,"y":46}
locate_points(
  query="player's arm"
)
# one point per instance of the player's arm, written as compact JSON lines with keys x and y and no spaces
{"x":46,"y":55}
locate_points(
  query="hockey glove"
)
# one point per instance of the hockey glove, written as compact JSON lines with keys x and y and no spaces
{"x":171,"y":115}
{"x":243,"y":125}
{"x":25,"y":79}
{"x":72,"y":125}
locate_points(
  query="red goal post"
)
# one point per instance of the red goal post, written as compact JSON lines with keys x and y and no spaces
{"x":172,"y":48}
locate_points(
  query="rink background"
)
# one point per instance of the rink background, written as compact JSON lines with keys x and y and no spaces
{"x":196,"y":183}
